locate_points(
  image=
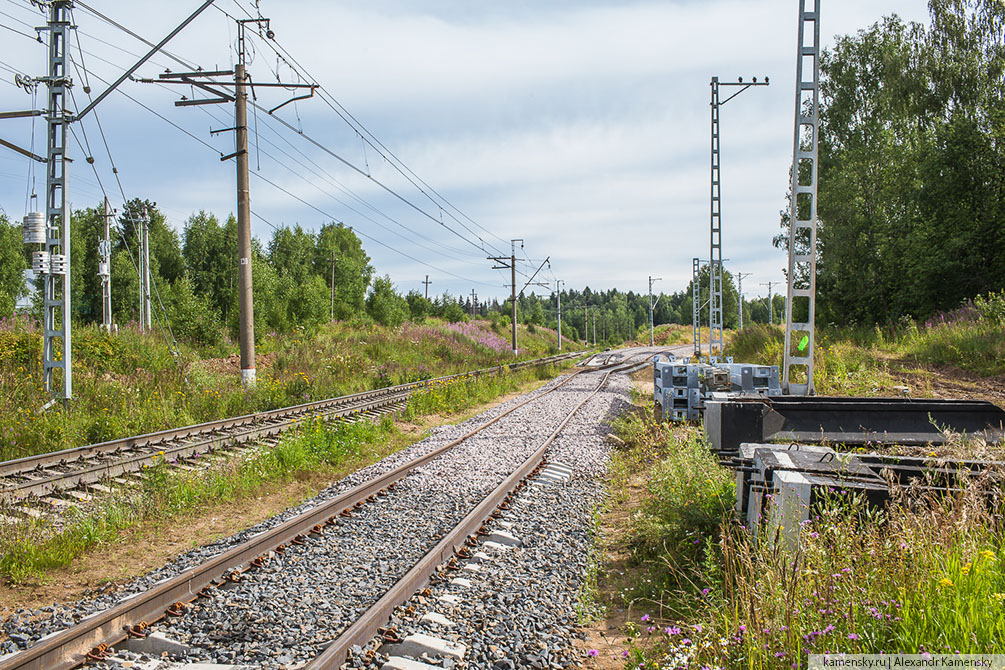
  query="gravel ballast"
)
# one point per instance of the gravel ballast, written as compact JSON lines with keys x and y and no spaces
{"x":286,"y":612}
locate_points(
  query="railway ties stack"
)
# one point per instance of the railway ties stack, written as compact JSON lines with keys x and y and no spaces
{"x":788,"y":458}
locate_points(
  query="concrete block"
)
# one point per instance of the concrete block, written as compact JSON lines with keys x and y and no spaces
{"x":449,"y":599}
{"x":503,"y":537}
{"x":155,"y":644}
{"x":460,"y":581}
{"x":494,"y":546}
{"x":399,"y":663}
{"x":505,"y":525}
{"x":480,"y":557}
{"x":437,"y":619}
{"x":471,"y":567}
{"x":418,"y":644}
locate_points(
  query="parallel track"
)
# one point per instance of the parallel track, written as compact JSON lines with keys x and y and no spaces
{"x":88,"y":465}
{"x":94,"y":636}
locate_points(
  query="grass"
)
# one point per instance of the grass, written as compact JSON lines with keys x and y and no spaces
{"x":129,"y":383}
{"x":859,"y":361}
{"x":927,"y":574}
{"x":29,"y":549}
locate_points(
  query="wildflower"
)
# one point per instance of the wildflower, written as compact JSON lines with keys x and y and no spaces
{"x":852,"y":636}
{"x":645,"y":617}
{"x":698,"y":627}
{"x":672,"y":630}
{"x":945,"y":582}
{"x":742,"y":628}
{"x":593,"y":653}
{"x":988,"y":554}
{"x":966,"y":568}
{"x":704,"y":592}
{"x":685,"y":641}
{"x":624,"y":654}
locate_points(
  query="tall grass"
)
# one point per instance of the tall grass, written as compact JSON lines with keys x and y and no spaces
{"x":926,"y":574}
{"x":129,"y":383}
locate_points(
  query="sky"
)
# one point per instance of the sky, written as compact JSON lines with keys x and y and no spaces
{"x":581,"y":128}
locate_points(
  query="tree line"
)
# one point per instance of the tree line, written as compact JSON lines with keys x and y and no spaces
{"x":912,"y":165}
{"x":194,"y":283}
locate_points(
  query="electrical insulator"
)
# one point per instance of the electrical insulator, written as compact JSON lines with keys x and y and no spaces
{"x":57,"y":264}
{"x":40,"y":262}
{"x":34,"y":228}
{"x":103,"y":269}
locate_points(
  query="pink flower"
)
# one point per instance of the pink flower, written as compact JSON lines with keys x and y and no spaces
{"x":852,"y":636}
{"x":624,"y":654}
{"x":645,"y":617}
{"x":592,"y":653}
{"x":674,"y":630}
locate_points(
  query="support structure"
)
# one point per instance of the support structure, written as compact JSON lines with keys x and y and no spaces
{"x":509,"y":263}
{"x":800,"y":305}
{"x":652,"y":306}
{"x":715,"y":247}
{"x":695,"y":307}
{"x":52,"y":262}
{"x":474,"y":302}
{"x":739,"y":279}
{"x":427,"y":283}
{"x":771,"y":305}
{"x":219,"y":89}
{"x":558,"y":294}
{"x":56,"y":349}
{"x":145,"y":312}
{"x":332,"y":310}
{"x":105,"y":270}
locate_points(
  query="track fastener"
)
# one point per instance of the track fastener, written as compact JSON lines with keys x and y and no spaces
{"x":137,"y":632}
{"x":177,"y":609}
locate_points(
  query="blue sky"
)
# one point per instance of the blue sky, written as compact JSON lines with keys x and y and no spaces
{"x":581,"y":127}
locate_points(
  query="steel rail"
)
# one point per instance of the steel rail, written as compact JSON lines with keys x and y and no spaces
{"x":277,"y":420}
{"x":364,"y":629}
{"x":69,"y":648}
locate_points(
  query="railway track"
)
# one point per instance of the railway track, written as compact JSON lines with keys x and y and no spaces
{"x":171,"y":600}
{"x":80,"y":471}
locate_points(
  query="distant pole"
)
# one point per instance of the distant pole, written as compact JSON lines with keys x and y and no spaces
{"x":512,"y":268}
{"x":427,"y":283}
{"x":586,"y":323}
{"x":558,"y":286}
{"x":105,"y":272}
{"x":594,"y":327}
{"x":474,"y":301}
{"x":771,"y":306}
{"x":652,"y":325}
{"x":145,"y":324}
{"x":740,"y":276}
{"x":333,"y":288}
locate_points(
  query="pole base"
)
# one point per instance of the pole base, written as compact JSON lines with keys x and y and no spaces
{"x":248,"y":377}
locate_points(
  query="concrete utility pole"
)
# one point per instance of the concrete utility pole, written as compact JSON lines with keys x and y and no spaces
{"x":105,"y":270}
{"x":771,"y":305}
{"x":715,"y":250}
{"x":474,"y":302}
{"x":594,"y":327}
{"x":427,"y":283}
{"x":246,"y":303}
{"x":504,"y":263}
{"x":207,"y":81}
{"x":586,"y":324}
{"x":739,"y":277}
{"x":652,"y":326}
{"x":333,"y":288}
{"x":558,"y":294}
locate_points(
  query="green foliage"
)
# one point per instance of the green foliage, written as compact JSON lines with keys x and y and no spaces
{"x":384,"y":305}
{"x":911,"y":197}
{"x":12,"y":266}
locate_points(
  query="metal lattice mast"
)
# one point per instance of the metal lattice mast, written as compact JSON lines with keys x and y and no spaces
{"x":715,"y":252}
{"x":695,"y":307}
{"x":797,"y":375}
{"x":105,"y":270}
{"x":56,"y":350}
